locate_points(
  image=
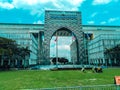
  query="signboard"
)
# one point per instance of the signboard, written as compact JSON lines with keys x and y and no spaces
{"x":117,"y":80}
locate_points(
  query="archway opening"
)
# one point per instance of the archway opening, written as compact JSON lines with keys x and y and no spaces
{"x":63,"y":47}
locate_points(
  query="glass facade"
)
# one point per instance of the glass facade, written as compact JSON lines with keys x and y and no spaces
{"x":24,"y":39}
{"x":25,"y":36}
{"x":63,"y":17}
{"x":88,"y":49}
{"x":99,"y":45}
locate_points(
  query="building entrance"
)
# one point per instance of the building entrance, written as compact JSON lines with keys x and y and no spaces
{"x":62,"y":47}
{"x":63,"y":22}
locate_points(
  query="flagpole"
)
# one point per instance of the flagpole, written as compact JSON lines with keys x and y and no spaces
{"x":72,"y":42}
{"x":88,"y":38}
{"x":56,"y":50}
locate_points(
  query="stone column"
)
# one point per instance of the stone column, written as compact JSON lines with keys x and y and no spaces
{"x":1,"y":62}
{"x":9,"y":62}
{"x":103,"y":61}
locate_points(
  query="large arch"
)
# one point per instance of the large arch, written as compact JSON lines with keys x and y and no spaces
{"x":55,"y":20}
{"x":78,"y":34}
{"x":65,"y":32}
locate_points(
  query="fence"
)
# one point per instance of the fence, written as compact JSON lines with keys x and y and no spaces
{"x":95,"y":87}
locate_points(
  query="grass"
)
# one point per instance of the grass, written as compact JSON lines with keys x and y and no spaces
{"x":14,"y":80}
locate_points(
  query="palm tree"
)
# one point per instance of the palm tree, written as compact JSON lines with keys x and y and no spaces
{"x":12,"y":52}
{"x":5,"y":50}
{"x":113,"y":53}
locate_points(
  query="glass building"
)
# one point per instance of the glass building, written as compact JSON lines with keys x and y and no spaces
{"x":98,"y":46}
{"x":25,"y":35}
{"x":91,"y":40}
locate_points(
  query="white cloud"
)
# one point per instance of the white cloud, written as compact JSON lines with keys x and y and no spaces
{"x":103,"y":22}
{"x":63,"y":47}
{"x":113,"y":19}
{"x":98,"y":2}
{"x":90,"y":22}
{"x":38,"y":22}
{"x":38,"y":6}
{"x":94,"y":14}
{"x":63,"y":50}
{"x":75,"y":2}
{"x":6,"y":5}
{"x":64,"y":40}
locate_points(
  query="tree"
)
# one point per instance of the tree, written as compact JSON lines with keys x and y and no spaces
{"x":63,"y":60}
{"x":54,"y":60}
{"x":11,"y":52}
{"x":5,"y":51}
{"x":25,"y":53}
{"x":113,"y":53}
{"x":60,"y":60}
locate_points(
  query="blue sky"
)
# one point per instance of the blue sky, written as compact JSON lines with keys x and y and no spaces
{"x":94,"y":12}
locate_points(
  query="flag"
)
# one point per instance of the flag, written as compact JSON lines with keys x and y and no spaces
{"x":91,"y":36}
{"x":42,"y":38}
{"x":88,"y":37}
{"x":56,"y":38}
{"x":73,"y":37}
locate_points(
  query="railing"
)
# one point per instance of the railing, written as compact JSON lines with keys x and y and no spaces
{"x":93,"y":87}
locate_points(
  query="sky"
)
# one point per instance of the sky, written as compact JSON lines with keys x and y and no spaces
{"x":63,"y":47}
{"x":94,"y":12}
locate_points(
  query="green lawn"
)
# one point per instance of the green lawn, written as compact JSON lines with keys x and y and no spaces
{"x":14,"y":80}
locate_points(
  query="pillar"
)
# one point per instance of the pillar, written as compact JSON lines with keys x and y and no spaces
{"x":9,"y":62}
{"x":1,"y":62}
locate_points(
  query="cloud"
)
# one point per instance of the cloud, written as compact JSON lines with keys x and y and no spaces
{"x":94,"y":14}
{"x":90,"y":22}
{"x":38,"y":6}
{"x":64,"y":40}
{"x":99,"y":2}
{"x":6,"y":5}
{"x":113,"y":19}
{"x":75,"y":2}
{"x":110,"y":20}
{"x":103,"y":22}
{"x":64,"y":47}
{"x":63,"y":50}
{"x":38,"y":22}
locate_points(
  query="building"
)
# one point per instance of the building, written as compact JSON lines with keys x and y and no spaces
{"x":98,"y":47}
{"x":25,"y":35}
{"x":98,"y":39}
{"x":63,"y":23}
{"x":88,"y":48}
{"x":104,"y":37}
{"x":73,"y":52}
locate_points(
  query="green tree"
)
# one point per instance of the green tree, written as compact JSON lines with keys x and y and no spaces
{"x":113,"y":53}
{"x":24,"y":53}
{"x":5,"y":50}
{"x":11,"y":52}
